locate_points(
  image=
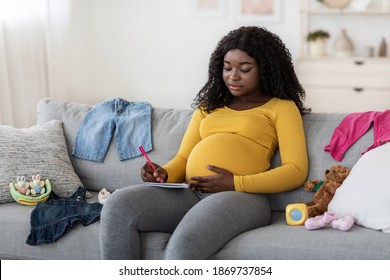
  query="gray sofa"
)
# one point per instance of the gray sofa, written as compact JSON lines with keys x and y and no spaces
{"x":276,"y":241}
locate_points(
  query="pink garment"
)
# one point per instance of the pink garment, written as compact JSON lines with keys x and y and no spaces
{"x":354,"y":126}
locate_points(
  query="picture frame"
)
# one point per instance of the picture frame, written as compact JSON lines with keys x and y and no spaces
{"x":208,"y":8}
{"x":258,"y":10}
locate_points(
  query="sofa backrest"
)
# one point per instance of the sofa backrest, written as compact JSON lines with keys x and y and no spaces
{"x":168,"y":127}
{"x":319,"y":128}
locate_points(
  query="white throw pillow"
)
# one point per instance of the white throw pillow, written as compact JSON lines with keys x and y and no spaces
{"x":365,"y":193}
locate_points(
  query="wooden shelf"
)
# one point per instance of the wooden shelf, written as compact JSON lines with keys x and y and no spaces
{"x":343,"y":84}
{"x":312,"y":15}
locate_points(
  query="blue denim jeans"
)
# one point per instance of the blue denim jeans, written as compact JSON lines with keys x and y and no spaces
{"x":51,"y":219}
{"x":129,"y":121}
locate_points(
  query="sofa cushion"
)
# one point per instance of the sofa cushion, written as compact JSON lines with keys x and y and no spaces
{"x":168,"y":126}
{"x":365,"y":193}
{"x":78,"y":243}
{"x":280,"y":241}
{"x":40,"y":149}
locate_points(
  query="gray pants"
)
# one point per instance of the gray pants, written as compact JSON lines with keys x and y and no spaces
{"x":199,"y":227}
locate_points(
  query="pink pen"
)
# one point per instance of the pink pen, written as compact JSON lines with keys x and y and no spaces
{"x":147,"y":158}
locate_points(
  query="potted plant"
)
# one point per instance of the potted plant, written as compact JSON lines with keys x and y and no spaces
{"x":317,"y":42}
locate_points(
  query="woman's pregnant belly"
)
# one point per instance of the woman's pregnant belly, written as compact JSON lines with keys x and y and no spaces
{"x":232,"y":152}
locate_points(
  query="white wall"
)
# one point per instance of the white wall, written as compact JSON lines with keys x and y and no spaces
{"x":143,"y":50}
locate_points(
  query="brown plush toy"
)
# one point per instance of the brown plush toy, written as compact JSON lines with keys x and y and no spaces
{"x":325,"y":190}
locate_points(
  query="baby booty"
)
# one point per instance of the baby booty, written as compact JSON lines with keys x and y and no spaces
{"x":344,"y":223}
{"x":103,"y":195}
{"x":320,"y":221}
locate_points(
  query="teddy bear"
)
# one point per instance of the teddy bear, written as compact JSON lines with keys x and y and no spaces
{"x":325,"y":189}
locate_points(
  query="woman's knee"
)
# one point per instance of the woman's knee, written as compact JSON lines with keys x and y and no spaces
{"x":253,"y":208}
{"x":121,"y":204}
{"x":214,"y":221}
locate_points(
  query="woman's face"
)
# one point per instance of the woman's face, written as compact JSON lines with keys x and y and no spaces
{"x":241,"y":74}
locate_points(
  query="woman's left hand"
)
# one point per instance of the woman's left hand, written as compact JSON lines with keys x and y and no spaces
{"x":223,"y":180}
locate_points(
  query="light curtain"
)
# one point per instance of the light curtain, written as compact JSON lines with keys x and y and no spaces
{"x":24,"y":71}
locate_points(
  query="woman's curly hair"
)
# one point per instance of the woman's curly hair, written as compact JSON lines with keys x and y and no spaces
{"x":277,"y":75}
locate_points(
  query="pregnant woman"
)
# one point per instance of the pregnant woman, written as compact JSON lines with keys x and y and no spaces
{"x":250,"y":106}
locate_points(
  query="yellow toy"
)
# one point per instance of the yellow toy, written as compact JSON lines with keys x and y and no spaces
{"x":296,"y":214}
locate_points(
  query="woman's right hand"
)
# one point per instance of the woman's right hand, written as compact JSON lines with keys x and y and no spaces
{"x":148,"y":175}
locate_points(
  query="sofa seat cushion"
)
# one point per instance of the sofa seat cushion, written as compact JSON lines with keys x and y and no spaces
{"x":79,"y":243}
{"x":281,"y":241}
{"x":276,"y":241}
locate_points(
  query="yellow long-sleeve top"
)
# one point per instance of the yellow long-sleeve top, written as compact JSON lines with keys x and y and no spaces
{"x":244,"y":142}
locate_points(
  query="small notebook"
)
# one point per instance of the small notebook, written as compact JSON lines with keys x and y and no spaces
{"x":167,"y":185}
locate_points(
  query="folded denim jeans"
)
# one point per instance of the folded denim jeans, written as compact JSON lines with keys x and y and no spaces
{"x":128,"y":122}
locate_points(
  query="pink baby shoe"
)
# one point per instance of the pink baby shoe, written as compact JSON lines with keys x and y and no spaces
{"x":344,"y":223}
{"x":320,"y":221}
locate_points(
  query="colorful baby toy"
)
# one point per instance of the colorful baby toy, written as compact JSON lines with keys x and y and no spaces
{"x":296,"y":214}
{"x":30,"y":193}
{"x":37,"y":186}
{"x":21,"y":185}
